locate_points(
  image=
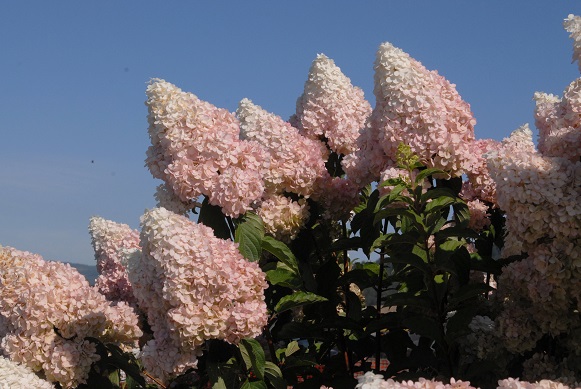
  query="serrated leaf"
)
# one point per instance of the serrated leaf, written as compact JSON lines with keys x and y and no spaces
{"x":212,"y":216}
{"x":249,"y":235}
{"x":281,"y":251}
{"x":297,"y":299}
{"x":255,"y":354}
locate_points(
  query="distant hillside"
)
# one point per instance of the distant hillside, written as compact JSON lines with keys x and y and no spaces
{"x":89,"y":271}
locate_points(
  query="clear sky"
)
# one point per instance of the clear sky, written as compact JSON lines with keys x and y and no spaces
{"x":72,"y":116}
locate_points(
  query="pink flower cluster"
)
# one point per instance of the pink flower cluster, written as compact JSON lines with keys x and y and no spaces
{"x":166,"y":198}
{"x":193,"y":287}
{"x":283,"y":218}
{"x":540,"y":191}
{"x":573,"y":26}
{"x":47,"y":309}
{"x":330,"y":107}
{"x":297,"y":163}
{"x":559,"y":123}
{"x":109,"y":239}
{"x":196,"y":150}
{"x":423,"y":110}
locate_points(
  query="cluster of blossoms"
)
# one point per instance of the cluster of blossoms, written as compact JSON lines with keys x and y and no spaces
{"x":283,"y":217}
{"x":573,"y":26}
{"x":512,"y":383}
{"x":109,"y":239}
{"x":539,"y":189}
{"x":331,"y":108}
{"x":297,"y":162}
{"x":196,"y":150}
{"x":376,"y":381}
{"x":166,"y":198}
{"x":193,"y":287}
{"x":17,"y":376}
{"x":48,"y":309}
{"x":422,"y":109}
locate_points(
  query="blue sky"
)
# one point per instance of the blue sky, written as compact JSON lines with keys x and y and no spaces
{"x":73,"y":120}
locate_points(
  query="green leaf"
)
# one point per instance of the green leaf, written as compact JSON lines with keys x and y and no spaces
{"x":254,"y":385}
{"x":297,"y":299}
{"x":411,"y":260}
{"x":426,"y":326}
{"x":437,"y":204}
{"x":386,"y":321}
{"x":249,"y":236}
{"x":467,"y":292}
{"x":212,"y":216}
{"x":283,"y":275}
{"x":454,"y":232}
{"x":429,"y":172}
{"x":407,"y":299}
{"x":219,"y":383}
{"x":392,"y":182}
{"x":252,"y":352}
{"x":363,"y":278}
{"x":292,"y":348}
{"x":458,"y":324}
{"x":126,"y":362}
{"x":352,"y":243}
{"x":461,"y":213}
{"x":281,"y":251}
{"x":114,"y":378}
{"x":274,"y":376}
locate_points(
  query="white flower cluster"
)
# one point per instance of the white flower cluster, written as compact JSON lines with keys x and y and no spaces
{"x":515,"y":383}
{"x":16,"y":376}
{"x":376,"y":381}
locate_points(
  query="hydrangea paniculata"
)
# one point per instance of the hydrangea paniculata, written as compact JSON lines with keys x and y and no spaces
{"x":109,"y":239}
{"x":377,"y":381}
{"x":297,"y":163}
{"x":16,"y":376}
{"x":49,"y":309}
{"x":283,"y":218}
{"x":423,"y":110}
{"x":330,"y":107}
{"x":559,"y":123}
{"x":196,"y":150}
{"x":573,"y":26}
{"x":193,"y":287}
